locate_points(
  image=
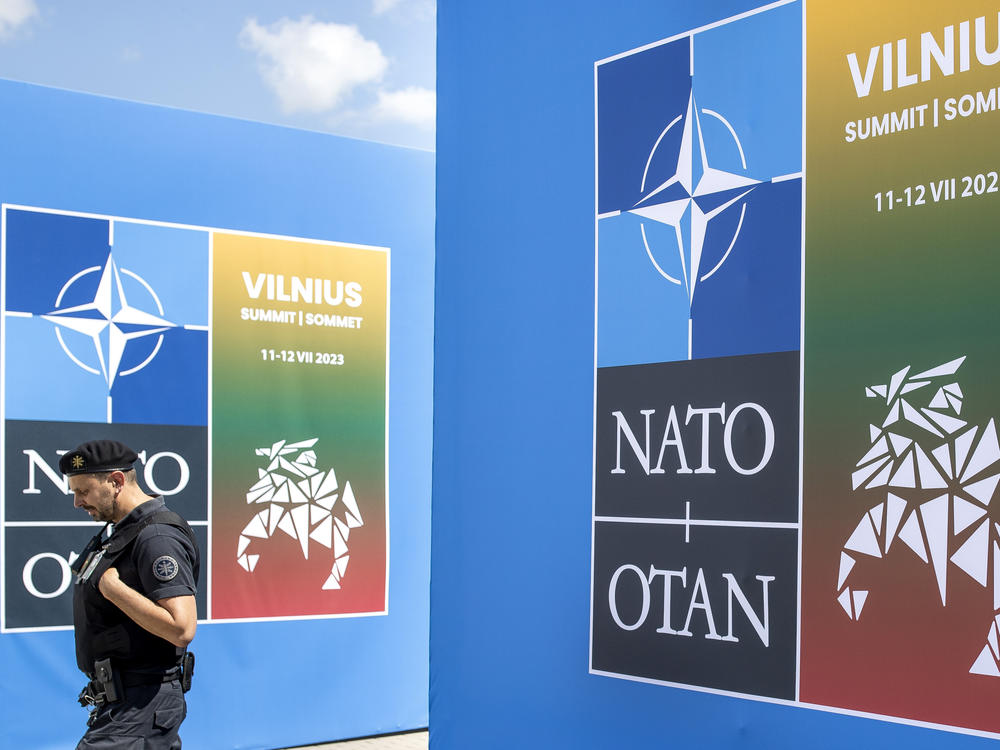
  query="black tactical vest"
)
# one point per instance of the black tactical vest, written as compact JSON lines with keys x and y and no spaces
{"x":101,"y":629}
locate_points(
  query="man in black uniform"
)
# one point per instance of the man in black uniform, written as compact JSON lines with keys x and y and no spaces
{"x":133,"y":604}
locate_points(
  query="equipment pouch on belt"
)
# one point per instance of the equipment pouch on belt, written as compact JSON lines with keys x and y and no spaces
{"x":105,"y":687}
{"x":187,"y":670}
{"x":106,"y":677}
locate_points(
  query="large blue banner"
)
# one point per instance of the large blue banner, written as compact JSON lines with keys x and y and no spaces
{"x":110,"y":214}
{"x":618,"y":440}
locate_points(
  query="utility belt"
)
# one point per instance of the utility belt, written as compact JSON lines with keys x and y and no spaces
{"x":107,"y":685}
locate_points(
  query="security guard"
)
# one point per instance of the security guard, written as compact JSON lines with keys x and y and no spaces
{"x":133,"y":604}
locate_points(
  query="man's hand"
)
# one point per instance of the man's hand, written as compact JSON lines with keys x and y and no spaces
{"x":174,"y":619}
{"x":109,"y":581}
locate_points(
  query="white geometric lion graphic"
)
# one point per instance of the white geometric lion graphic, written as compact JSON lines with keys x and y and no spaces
{"x":939,"y":476}
{"x":299,"y":500}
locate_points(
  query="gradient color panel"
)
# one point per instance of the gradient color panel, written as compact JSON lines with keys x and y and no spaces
{"x":260,"y":398}
{"x":908,"y":286}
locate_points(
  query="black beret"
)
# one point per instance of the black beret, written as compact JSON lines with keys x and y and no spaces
{"x":96,"y":456}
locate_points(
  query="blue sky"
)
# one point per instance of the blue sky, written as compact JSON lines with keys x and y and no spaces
{"x":360,"y":68}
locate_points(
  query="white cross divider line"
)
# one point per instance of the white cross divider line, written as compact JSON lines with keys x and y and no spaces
{"x":687,"y":522}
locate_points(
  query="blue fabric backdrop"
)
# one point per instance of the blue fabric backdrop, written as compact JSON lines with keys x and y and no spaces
{"x":272,"y":684}
{"x":514,"y":389}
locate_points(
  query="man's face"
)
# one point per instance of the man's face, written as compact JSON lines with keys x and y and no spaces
{"x":94,"y":494}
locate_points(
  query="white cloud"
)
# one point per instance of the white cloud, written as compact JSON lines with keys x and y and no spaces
{"x":312,"y":65}
{"x":414,"y":104}
{"x":13,"y":13}
{"x":383,"y":6}
{"x":411,"y":9}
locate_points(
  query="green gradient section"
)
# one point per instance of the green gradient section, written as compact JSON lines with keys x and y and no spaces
{"x":257,"y":400}
{"x":914,"y":285}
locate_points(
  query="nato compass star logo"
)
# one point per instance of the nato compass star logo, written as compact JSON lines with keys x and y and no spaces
{"x":110,"y":321}
{"x":692,"y":197}
{"x":699,"y":194}
{"x":106,"y":319}
{"x":691,"y":201}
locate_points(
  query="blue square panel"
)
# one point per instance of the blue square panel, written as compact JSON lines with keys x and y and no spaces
{"x":106,"y":320}
{"x":699,"y":180}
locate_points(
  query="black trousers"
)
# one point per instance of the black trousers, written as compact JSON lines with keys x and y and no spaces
{"x":146,"y":718}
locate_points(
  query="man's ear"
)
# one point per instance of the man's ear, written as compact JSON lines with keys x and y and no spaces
{"x":117,"y":479}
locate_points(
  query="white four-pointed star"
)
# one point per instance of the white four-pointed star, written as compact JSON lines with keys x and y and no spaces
{"x":697,"y":179}
{"x":112,"y":313}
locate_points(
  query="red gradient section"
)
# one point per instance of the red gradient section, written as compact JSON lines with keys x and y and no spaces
{"x":284,"y":584}
{"x":907,"y":655}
